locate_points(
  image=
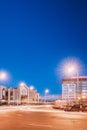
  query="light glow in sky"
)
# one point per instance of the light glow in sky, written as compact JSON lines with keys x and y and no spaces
{"x":69,"y":67}
{"x":47,"y":91}
{"x":22,"y":84}
{"x":31,"y":87}
{"x":4,"y":76}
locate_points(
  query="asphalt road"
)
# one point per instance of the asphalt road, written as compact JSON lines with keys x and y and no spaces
{"x":41,"y":118}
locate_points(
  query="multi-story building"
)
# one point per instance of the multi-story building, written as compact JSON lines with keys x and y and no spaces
{"x":20,"y":95}
{"x":74,"y":88}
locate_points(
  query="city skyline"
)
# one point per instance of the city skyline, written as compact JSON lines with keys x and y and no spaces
{"x":36,"y":36}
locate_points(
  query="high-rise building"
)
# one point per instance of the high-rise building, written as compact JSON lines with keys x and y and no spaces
{"x":74,"y":88}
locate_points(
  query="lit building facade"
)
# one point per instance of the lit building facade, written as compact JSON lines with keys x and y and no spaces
{"x":74,"y":89}
{"x":20,"y":95}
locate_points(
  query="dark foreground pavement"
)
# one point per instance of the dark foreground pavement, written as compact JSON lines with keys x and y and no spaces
{"x":43,"y":120}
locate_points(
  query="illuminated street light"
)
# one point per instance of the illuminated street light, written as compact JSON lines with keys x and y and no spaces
{"x":46,"y":92}
{"x":31,"y":87}
{"x":79,"y":98}
{"x":83,"y":97}
{"x":71,"y":69}
{"x":69,"y":66}
{"x":4,"y":76}
{"x":22,"y":84}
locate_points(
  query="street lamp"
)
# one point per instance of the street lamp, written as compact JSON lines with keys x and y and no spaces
{"x":83,"y":98}
{"x":22,"y":84}
{"x":20,"y":92}
{"x":4,"y":76}
{"x":32,"y":93}
{"x":46,"y":92}
{"x":31,"y":87}
{"x":73,"y":69}
{"x":70,"y":67}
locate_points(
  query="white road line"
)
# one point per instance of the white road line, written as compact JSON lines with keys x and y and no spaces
{"x":40,"y":125}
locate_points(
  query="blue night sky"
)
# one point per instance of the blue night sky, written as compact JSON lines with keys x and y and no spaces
{"x":36,"y":35}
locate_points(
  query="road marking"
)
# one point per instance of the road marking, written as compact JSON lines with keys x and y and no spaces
{"x":40,"y":125}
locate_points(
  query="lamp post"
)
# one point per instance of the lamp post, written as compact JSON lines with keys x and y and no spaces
{"x":32,"y":93}
{"x":4,"y":76}
{"x":72,"y":69}
{"x":77,"y":89}
{"x":46,"y":92}
{"x":31,"y":87}
{"x":20,"y":92}
{"x":84,"y":99}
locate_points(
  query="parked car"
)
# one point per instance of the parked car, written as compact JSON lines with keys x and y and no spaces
{"x":85,"y":108}
{"x":76,"y":107}
{"x":67,"y":108}
{"x":60,"y":107}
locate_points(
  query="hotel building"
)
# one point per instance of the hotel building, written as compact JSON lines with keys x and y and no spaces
{"x":20,"y":95}
{"x":74,"y":89}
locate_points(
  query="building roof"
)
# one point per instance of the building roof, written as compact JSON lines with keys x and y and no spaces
{"x":80,"y":78}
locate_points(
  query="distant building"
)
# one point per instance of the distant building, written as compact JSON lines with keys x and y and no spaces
{"x":49,"y":98}
{"x":21,"y":95}
{"x":74,"y":89}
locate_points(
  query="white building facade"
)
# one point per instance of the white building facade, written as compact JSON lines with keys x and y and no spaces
{"x":69,"y":91}
{"x":20,"y":95}
{"x":74,"y":89}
